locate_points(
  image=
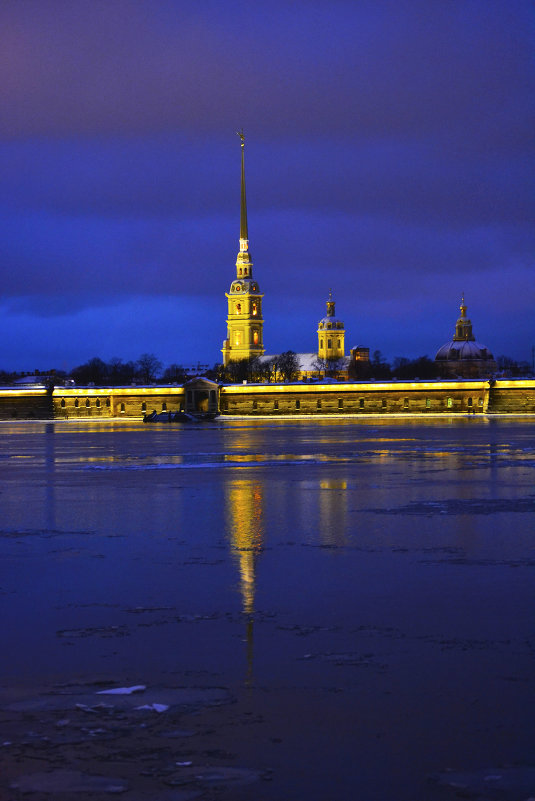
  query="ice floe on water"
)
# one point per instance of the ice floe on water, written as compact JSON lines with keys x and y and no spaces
{"x":68,"y":781}
{"x":509,"y":783}
{"x":136,"y":688}
{"x":462,"y":506}
{"x":64,"y":729}
{"x":126,"y":698}
{"x":153,"y":707}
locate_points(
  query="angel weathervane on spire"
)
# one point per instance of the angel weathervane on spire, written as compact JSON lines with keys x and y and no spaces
{"x":242,"y":137}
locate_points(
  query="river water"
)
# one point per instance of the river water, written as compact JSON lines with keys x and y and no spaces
{"x":361,"y":591}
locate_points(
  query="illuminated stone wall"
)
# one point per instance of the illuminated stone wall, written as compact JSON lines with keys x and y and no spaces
{"x":95,"y":402}
{"x":512,"y":397}
{"x":364,"y":398}
{"x":373,"y":398}
{"x":25,"y":404}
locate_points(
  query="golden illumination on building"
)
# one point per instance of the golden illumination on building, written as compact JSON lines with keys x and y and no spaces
{"x":245,"y":342}
{"x":331,"y":334}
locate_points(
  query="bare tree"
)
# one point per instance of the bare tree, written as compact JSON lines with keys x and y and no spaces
{"x":121,"y":372}
{"x":330,"y":366}
{"x":148,"y":367}
{"x":267,"y":369}
{"x":288,"y":366}
{"x":94,"y":371}
{"x":175,"y":374}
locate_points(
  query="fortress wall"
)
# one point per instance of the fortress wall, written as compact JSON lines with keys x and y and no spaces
{"x":26,"y":404}
{"x":96,"y":402}
{"x":512,"y":397}
{"x":432,"y":397}
{"x":355,"y":398}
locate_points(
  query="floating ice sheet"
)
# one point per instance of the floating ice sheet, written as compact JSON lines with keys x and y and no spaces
{"x":136,"y":688}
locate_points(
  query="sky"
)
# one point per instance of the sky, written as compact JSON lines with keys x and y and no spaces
{"x":389,"y":157}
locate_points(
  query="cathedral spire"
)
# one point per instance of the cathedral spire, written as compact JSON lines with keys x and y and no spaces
{"x":244,"y":234}
{"x":330,"y":304}
{"x":244,"y":320}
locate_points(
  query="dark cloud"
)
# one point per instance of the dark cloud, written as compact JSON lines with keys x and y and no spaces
{"x":389,"y":155}
{"x":364,"y":70}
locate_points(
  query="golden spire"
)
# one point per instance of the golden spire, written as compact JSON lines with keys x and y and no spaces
{"x":330,"y":304}
{"x":244,"y":235}
{"x":463,"y":328}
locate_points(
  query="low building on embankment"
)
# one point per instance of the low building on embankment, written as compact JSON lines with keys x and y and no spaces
{"x":198,"y":395}
{"x":26,"y":402}
{"x":379,"y":398}
{"x":469,"y":396}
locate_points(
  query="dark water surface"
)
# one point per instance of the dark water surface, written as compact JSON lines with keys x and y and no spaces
{"x":363,"y":590}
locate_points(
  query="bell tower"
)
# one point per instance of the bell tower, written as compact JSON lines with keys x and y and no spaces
{"x":244,"y":317}
{"x":331,"y":334}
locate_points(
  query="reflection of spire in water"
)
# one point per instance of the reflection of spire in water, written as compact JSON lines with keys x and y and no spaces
{"x":246,"y":528}
{"x":333,"y":511}
{"x":50,"y":456}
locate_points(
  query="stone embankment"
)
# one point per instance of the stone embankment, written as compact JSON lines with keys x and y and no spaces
{"x":314,"y":399}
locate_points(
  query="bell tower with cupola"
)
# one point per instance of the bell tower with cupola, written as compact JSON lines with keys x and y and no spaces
{"x":244,"y":319}
{"x":331,"y":334}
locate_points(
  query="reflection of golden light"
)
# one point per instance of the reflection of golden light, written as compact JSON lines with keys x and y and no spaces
{"x":330,"y":484}
{"x":333,"y":511}
{"x":246,"y":525}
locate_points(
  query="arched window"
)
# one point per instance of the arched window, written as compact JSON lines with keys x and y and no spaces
{"x":469,"y":403}
{"x":237,"y":337}
{"x":122,"y":408}
{"x":76,"y":403}
{"x":361,"y":403}
{"x":255,"y":337}
{"x":143,"y":407}
{"x":329,"y":343}
{"x":238,"y":308}
{"x":87,"y":403}
{"x":63,"y":403}
{"x":98,"y":403}
{"x":449,"y":403}
{"x":164,"y":406}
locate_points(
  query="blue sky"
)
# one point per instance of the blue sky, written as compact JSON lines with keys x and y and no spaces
{"x":389,"y":155}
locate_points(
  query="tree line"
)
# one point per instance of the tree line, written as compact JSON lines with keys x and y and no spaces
{"x":148,"y":369}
